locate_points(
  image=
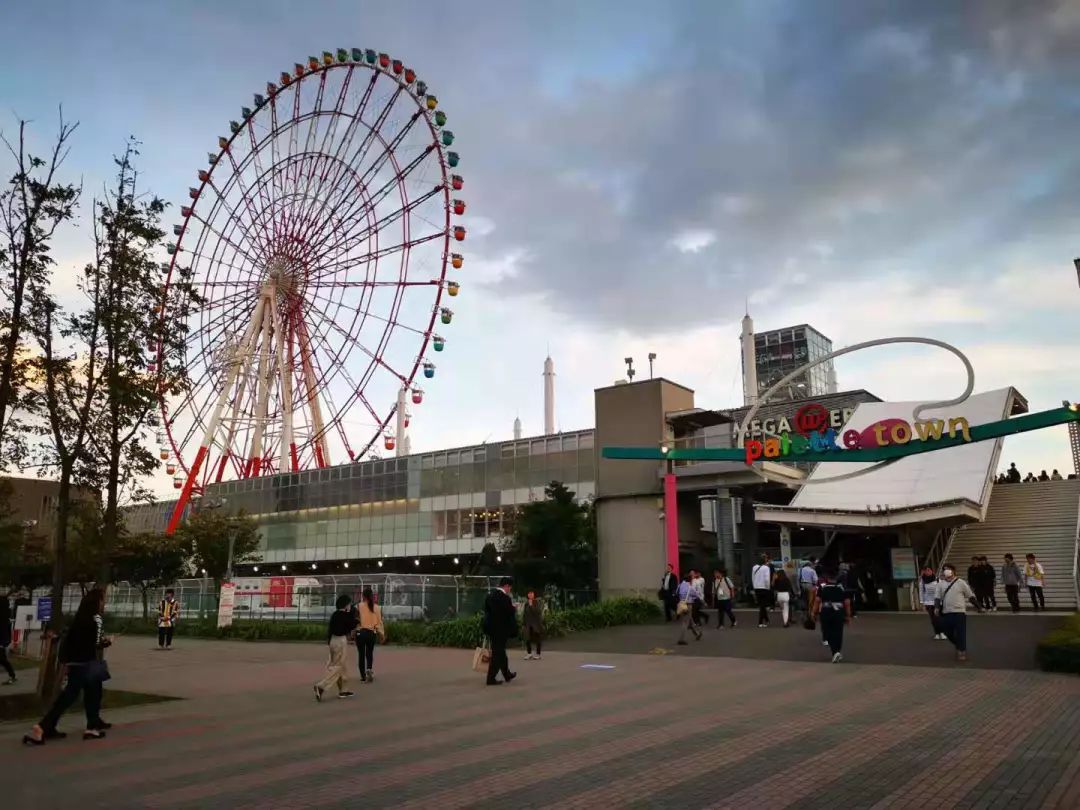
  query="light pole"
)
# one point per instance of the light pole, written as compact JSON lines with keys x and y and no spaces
{"x":652,"y":356}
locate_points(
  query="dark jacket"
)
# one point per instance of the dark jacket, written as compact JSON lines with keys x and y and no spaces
{"x":532,"y":617}
{"x":5,"y":632}
{"x":500,"y":618}
{"x":342,"y":622}
{"x":83,"y":641}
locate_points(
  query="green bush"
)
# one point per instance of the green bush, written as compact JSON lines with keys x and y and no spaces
{"x":1059,"y":650}
{"x":464,"y":632}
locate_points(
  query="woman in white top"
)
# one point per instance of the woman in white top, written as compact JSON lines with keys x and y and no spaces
{"x":928,"y":594}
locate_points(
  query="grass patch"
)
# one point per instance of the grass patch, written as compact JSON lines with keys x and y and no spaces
{"x":462,"y":632}
{"x":1059,"y":650}
{"x":26,"y":706}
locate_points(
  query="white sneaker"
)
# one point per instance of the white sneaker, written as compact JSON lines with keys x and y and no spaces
{"x":536,"y":657}
{"x":837,"y":658}
{"x":824,"y":644}
{"x":528,"y":657}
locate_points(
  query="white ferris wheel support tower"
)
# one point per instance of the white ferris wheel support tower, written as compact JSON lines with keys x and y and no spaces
{"x":250,"y":362}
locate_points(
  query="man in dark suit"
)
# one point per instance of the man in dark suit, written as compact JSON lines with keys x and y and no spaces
{"x":500,"y":624}
{"x":669,"y":586}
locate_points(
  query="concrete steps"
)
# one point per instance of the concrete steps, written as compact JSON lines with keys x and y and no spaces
{"x":1038,"y":518}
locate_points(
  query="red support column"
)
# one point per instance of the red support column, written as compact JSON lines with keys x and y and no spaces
{"x":671,"y":522}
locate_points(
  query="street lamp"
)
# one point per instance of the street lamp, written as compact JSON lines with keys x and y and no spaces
{"x":652,"y":356}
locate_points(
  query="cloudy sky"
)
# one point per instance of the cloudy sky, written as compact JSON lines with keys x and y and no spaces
{"x":638,"y":171}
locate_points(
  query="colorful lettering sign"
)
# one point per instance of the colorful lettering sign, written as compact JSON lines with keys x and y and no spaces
{"x":814,"y":436}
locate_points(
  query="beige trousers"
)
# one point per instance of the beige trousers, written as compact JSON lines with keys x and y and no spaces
{"x":335,"y":665}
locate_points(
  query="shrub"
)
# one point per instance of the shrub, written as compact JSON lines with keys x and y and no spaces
{"x":1059,"y":650}
{"x":464,"y":632}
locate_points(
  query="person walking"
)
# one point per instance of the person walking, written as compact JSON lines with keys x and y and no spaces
{"x":1013,"y":474}
{"x":782,"y":588}
{"x":928,"y":594}
{"x":724,"y":594}
{"x":698,"y":605}
{"x":342,"y":623}
{"x":989,"y":583}
{"x":168,"y":614}
{"x":687,"y":596}
{"x":5,"y":639}
{"x":761,"y":577}
{"x":1035,"y":579}
{"x":669,"y":585}
{"x":848,"y":579}
{"x":808,"y":580}
{"x":81,"y":650}
{"x":532,"y":619}
{"x":369,"y":629}
{"x":1012,"y":578}
{"x":500,"y":625}
{"x":832,"y":607}
{"x":952,"y":605}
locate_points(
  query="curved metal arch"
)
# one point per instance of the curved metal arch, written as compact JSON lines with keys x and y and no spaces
{"x":868,"y":344}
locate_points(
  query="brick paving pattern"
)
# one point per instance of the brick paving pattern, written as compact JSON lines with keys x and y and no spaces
{"x":686,"y":731}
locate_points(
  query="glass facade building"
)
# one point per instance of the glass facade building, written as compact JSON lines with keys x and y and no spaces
{"x":450,"y":502}
{"x":779,"y":352}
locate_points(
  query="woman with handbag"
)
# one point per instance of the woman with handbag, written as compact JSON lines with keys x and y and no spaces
{"x":80,"y":652}
{"x":370,"y":629}
{"x":532,"y":618}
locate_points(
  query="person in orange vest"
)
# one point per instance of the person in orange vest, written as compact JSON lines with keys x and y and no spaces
{"x":168,"y":614}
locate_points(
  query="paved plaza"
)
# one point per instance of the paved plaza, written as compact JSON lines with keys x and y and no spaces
{"x":656,"y":730}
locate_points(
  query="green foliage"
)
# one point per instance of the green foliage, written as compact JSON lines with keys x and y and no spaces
{"x":461,"y":633}
{"x":555,"y":542}
{"x":148,"y":561}
{"x":205,"y":535}
{"x":1059,"y":650}
{"x":33,"y":204}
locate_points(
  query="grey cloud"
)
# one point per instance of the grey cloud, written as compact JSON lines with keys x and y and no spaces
{"x":936,"y":138}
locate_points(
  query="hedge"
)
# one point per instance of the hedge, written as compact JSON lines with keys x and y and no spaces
{"x":446,"y":633}
{"x":1059,"y":650}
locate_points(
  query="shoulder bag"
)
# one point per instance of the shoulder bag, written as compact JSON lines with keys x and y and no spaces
{"x":939,"y":603}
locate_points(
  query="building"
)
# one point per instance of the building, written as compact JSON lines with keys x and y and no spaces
{"x":779,"y":352}
{"x":432,"y":507}
{"x":32,"y":502}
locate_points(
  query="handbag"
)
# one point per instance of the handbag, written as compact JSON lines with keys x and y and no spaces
{"x":481,"y":657}
{"x":683,"y":608}
{"x":97,"y":671}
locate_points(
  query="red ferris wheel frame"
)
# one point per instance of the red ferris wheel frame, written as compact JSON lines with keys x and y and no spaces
{"x":286,"y":244}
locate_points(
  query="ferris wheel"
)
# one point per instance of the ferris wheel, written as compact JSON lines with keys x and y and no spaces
{"x":317,"y":243}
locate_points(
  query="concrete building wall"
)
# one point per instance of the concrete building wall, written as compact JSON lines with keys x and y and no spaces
{"x":632,"y":415}
{"x":631,"y":546}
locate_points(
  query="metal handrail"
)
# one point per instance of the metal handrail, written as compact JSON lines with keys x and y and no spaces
{"x":1076,"y":561}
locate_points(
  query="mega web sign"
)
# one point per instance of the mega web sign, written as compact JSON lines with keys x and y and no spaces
{"x":813,"y":439}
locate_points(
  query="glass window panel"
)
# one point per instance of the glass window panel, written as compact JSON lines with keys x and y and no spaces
{"x":585,"y":441}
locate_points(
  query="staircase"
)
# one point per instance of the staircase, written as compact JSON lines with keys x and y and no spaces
{"x":1039,"y":518}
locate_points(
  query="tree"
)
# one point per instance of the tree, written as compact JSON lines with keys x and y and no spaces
{"x":555,"y":541}
{"x":32,"y":206}
{"x":86,"y":557}
{"x":205,"y":536}
{"x":140,"y":358}
{"x":148,"y":561}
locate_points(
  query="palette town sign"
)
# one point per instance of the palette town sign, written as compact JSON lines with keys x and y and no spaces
{"x":814,"y":432}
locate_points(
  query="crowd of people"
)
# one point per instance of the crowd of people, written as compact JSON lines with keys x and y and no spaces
{"x":1014,"y":476}
{"x":827,"y":596}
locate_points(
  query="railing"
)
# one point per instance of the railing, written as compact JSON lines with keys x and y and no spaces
{"x":401,"y":597}
{"x":1076,"y":562}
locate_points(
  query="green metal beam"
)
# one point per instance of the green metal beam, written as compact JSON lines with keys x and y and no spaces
{"x":979,"y":433}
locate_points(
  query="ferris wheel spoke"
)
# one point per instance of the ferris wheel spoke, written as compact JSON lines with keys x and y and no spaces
{"x":245,"y":226}
{"x":370,"y":354}
{"x":393,"y":216}
{"x":391,"y":322}
{"x":375,"y":255}
{"x":245,"y":192}
{"x":223,"y":237}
